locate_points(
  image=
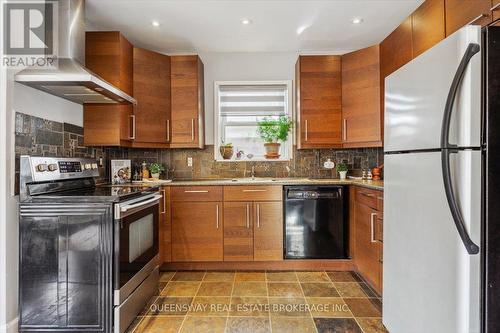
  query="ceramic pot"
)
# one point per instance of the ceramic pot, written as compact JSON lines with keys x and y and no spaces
{"x":226,"y":152}
{"x":272,"y":150}
{"x":155,"y":175}
{"x":343,"y":175}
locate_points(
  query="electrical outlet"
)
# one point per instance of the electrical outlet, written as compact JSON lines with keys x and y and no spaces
{"x":190,"y":161}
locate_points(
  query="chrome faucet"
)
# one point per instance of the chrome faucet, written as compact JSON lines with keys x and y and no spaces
{"x":253,"y":172}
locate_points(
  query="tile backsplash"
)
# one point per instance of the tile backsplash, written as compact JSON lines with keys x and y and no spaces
{"x":41,"y":137}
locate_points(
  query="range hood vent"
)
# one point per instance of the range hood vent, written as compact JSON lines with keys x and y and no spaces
{"x":72,"y":81}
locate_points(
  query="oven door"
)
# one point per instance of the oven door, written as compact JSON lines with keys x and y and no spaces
{"x":136,"y":243}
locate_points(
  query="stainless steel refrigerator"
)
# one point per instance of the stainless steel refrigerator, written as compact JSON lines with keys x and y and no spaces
{"x":441,"y":189}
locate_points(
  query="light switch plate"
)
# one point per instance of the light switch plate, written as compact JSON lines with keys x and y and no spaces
{"x":190,"y":161}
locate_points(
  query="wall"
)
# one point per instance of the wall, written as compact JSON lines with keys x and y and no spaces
{"x":242,"y":67}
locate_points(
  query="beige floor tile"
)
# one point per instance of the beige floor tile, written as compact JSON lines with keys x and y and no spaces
{"x":210,"y":306}
{"x":250,"y":289}
{"x":319,"y":289}
{"x":364,"y":307}
{"x":349,"y":289}
{"x":284,"y":289}
{"x":288,"y":307}
{"x":170,"y":306}
{"x":249,"y":306}
{"x":219,"y":276}
{"x":330,"y":307}
{"x":166,"y":276}
{"x":248,"y":325}
{"x":181,"y":289}
{"x":313,"y":277}
{"x":292,"y":325}
{"x":372,"y":325}
{"x":188,"y":276}
{"x":281,"y":277}
{"x":250,"y":277}
{"x":343,"y":277}
{"x":159,"y":324}
{"x":215,"y":289}
{"x":203,"y":325}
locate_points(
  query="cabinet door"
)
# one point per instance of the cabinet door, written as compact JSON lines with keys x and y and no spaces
{"x":319,"y":105}
{"x":268,"y":231}
{"x":461,"y":12}
{"x":165,"y":226}
{"x":197,"y":231}
{"x":367,"y":253}
{"x":396,"y":49}
{"x":187,"y":102}
{"x":362,"y":117}
{"x":428,"y":26}
{"x":238,"y":231}
{"x":152,"y":91}
{"x":105,"y":125}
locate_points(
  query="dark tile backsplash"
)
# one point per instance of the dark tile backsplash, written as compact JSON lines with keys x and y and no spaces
{"x":36,"y":136}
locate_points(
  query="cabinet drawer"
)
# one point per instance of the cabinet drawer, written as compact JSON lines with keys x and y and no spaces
{"x":253,"y":193}
{"x":197,"y":193}
{"x":368,"y":197}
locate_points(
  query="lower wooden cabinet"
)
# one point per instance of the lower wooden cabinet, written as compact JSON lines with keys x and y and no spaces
{"x":238,"y":231}
{"x":268,"y":231}
{"x":368,"y":223}
{"x":165,"y":234}
{"x":197,"y":231}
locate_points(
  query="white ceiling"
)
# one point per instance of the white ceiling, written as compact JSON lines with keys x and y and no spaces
{"x":215,"y":25}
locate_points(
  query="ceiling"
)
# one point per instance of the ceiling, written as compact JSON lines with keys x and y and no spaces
{"x":216,"y":25}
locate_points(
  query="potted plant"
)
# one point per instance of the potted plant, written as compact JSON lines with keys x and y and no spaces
{"x":342,"y":170}
{"x":272,"y":131}
{"x":155,"y":170}
{"x":226,"y":150}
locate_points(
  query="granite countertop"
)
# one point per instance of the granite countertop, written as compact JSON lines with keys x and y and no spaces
{"x":373,"y":184}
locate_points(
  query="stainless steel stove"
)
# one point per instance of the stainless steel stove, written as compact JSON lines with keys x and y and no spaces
{"x":88,"y":252}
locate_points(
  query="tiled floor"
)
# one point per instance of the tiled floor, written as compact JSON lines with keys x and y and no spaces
{"x":255,"y":302}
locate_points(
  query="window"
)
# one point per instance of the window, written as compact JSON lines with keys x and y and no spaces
{"x":239,"y":106}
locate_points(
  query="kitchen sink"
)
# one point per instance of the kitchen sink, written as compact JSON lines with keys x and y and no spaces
{"x":253,"y":180}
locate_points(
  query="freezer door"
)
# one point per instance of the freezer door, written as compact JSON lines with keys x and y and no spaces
{"x":431,"y":284}
{"x":416,"y":94}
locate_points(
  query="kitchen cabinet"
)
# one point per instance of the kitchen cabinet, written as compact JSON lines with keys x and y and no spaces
{"x":151,"y":86}
{"x":368,"y":225}
{"x":428,"y":26}
{"x":165,"y":226}
{"x":238,"y":231}
{"x":318,"y":93}
{"x":362,"y":116}
{"x":109,"y":55}
{"x":197,"y":223}
{"x":268,"y":231}
{"x":396,"y":49}
{"x":187,"y":98}
{"x":461,"y":12}
{"x":495,"y":12}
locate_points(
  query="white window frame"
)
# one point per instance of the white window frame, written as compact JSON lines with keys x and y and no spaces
{"x":217,"y":123}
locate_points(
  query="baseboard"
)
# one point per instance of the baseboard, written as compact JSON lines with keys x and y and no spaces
{"x":10,"y":327}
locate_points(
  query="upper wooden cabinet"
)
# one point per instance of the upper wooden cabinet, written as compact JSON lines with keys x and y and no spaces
{"x":319,"y":113}
{"x":152,"y":92}
{"x":187,"y":94}
{"x":428,"y":25}
{"x":361,"y":110}
{"x":396,"y":49}
{"x":109,"y":55}
{"x":462,"y":12}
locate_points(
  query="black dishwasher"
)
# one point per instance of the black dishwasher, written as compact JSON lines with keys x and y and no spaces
{"x":315,"y":222}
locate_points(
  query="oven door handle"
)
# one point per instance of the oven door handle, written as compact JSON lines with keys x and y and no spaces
{"x":125,"y":208}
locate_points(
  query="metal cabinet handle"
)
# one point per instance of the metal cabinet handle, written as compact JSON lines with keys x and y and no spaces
{"x":372,"y":231}
{"x":132,"y":137}
{"x":192,"y":129}
{"x":258,"y":216}
{"x":248,"y":216}
{"x":306,"y":134}
{"x":217,"y":216}
{"x":168,"y":130}
{"x":163,"y":193}
{"x":196,"y":191}
{"x":345,"y":129}
{"x":254,"y":191}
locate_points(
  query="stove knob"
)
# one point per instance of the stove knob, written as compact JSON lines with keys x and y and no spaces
{"x":41,"y":167}
{"x":52,"y":167}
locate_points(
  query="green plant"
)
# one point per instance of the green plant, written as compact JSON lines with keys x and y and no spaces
{"x":156,"y":168}
{"x":274,"y":130}
{"x":342,"y":167}
{"x":227,"y":145}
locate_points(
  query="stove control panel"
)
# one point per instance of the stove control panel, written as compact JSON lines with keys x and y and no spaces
{"x":55,"y":168}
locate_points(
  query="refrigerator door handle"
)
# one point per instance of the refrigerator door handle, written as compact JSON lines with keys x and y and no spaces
{"x":447,"y":149}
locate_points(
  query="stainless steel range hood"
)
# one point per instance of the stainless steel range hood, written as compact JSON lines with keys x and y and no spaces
{"x":70,"y":80}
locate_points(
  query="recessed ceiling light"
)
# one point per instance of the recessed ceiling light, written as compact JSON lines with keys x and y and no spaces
{"x":155,"y":23}
{"x":246,"y":21}
{"x":357,"y":20}
{"x":301,"y":29}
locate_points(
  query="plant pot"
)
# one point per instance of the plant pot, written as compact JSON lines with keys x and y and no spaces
{"x":343,"y":175}
{"x":226,"y":152}
{"x":272,"y":150}
{"x":155,"y":175}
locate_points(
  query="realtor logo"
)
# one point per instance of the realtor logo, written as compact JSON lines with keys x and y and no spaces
{"x":30,"y":32}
